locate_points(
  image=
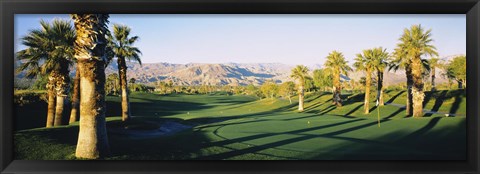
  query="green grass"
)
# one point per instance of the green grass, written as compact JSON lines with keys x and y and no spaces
{"x":244,"y":128}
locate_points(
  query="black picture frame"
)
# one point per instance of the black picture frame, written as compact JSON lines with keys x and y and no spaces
{"x":10,"y":7}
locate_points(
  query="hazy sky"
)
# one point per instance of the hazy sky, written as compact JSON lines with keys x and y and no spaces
{"x":289,"y":39}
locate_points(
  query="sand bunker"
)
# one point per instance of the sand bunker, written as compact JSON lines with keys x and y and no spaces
{"x":166,"y":128}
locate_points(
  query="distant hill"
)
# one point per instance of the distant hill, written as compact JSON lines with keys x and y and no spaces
{"x":202,"y":73}
{"x":232,"y":73}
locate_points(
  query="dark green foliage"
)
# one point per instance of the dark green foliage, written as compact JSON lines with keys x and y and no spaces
{"x":322,"y":79}
{"x":457,"y":70}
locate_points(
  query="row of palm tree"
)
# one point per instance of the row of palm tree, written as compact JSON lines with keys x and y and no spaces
{"x":372,"y":60}
{"x":50,"y":53}
{"x":52,"y":50}
{"x":414,"y":44}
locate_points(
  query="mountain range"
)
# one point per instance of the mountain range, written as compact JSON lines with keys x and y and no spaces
{"x":236,"y":73}
{"x":232,"y":73}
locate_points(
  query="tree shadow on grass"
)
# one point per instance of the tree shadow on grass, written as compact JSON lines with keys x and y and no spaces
{"x":62,"y":135}
{"x":428,"y":96}
{"x":191,"y":145}
{"x":398,"y":111}
{"x":395,"y":97}
{"x":440,"y":98}
{"x":354,"y":99}
{"x":372,"y":109}
{"x":155,"y":108}
{"x":354,"y":109}
{"x":311,"y":108}
{"x":315,"y":96}
{"x":456,"y":104}
{"x":254,"y":149}
{"x":361,"y":153}
{"x":327,"y":110}
{"x":422,"y":144}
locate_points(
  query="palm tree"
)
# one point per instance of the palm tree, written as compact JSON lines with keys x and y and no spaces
{"x":90,"y":45}
{"x":366,"y":62}
{"x":337,"y":64}
{"x":122,"y":46}
{"x":300,"y":73}
{"x":434,"y":63}
{"x":380,"y":57}
{"x":417,"y":43}
{"x":50,"y":52}
{"x":401,"y":60}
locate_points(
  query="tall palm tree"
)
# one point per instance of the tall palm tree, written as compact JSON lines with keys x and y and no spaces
{"x":50,"y":52}
{"x":417,"y":43}
{"x":380,"y":57}
{"x":366,"y":62}
{"x":338,"y":65}
{"x":434,"y":63}
{"x":400,"y":59}
{"x":300,"y":74}
{"x":90,"y":46}
{"x":122,"y":46}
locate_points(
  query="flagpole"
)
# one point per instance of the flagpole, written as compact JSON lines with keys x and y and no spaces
{"x":378,"y":113}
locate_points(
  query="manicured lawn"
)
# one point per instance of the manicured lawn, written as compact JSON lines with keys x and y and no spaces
{"x":244,"y":128}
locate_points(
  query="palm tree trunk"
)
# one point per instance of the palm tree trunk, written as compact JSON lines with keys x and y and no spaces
{"x":62,"y":88}
{"x":337,"y":91}
{"x":409,"y":103}
{"x":75,"y":98}
{"x":59,"y":110}
{"x":417,"y":90}
{"x":300,"y":98}
{"x":433,"y":79}
{"x":368,"y":82}
{"x":89,"y":51}
{"x":51,"y":101}
{"x":92,"y":139}
{"x":122,"y":71}
{"x":380,"y":87}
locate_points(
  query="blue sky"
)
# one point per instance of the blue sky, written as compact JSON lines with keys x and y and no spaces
{"x":289,"y":39}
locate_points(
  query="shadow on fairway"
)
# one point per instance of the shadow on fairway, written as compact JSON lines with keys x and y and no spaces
{"x":395,"y":96}
{"x":456,"y":104}
{"x":404,"y":145}
{"x":254,"y":149}
{"x":440,"y":98}
{"x":154,"y":108}
{"x":422,"y":144}
{"x":354,"y":109}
